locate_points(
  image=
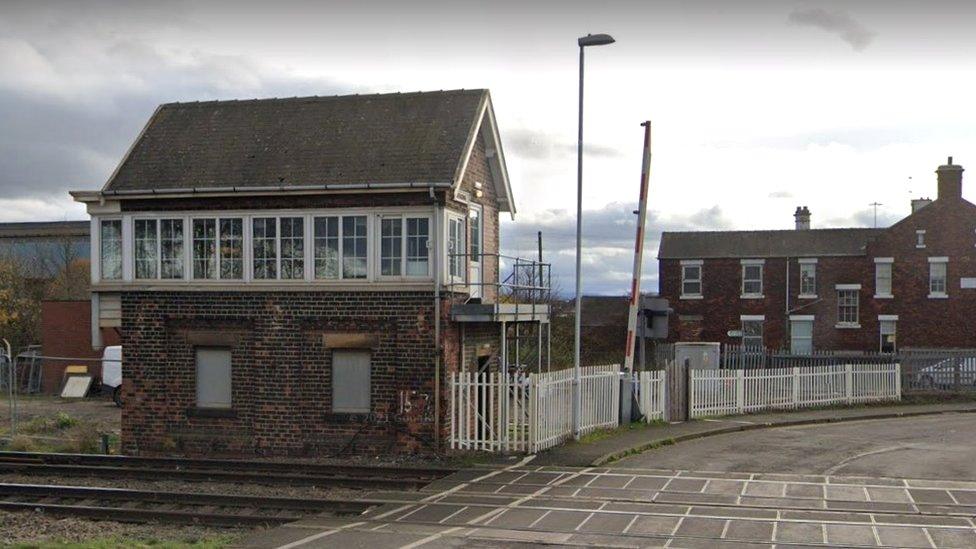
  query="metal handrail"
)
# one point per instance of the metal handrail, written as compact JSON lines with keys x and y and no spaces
{"x":519,"y":281}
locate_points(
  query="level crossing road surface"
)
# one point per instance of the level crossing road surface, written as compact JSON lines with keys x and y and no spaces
{"x":525,"y":505}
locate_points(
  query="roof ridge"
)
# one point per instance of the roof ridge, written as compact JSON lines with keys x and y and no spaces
{"x":456,"y":91}
{"x":721,"y":231}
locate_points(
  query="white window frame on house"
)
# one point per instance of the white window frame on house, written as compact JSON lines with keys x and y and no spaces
{"x":844,"y":305}
{"x":752,"y":320}
{"x":177,"y":260}
{"x":691,"y":265}
{"x":808,"y":278}
{"x":101,"y":259}
{"x":241,"y":256}
{"x":883,"y":271}
{"x":887,"y":325}
{"x":405,"y":259}
{"x":746,"y":264}
{"x":796,"y":341}
{"x":455,"y":266}
{"x":920,"y":238}
{"x":938,"y":281}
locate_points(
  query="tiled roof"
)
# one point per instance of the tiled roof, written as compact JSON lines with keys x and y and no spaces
{"x":759,"y":244}
{"x":387,"y":139}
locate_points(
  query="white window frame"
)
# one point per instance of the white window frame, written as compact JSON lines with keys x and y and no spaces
{"x":808,"y":263}
{"x":761,"y":319}
{"x":460,"y":263}
{"x":880,"y":264}
{"x":846,"y":288}
{"x":944,"y":262}
{"x":185,"y":255}
{"x":794,"y":338}
{"x":920,"y":238}
{"x":745,"y":263}
{"x":698,"y":264}
{"x":98,"y":249}
{"x":884,"y":320}
{"x":403,"y":217}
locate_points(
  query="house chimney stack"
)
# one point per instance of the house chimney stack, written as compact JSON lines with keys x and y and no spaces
{"x":802,"y":217}
{"x":950,"y":181}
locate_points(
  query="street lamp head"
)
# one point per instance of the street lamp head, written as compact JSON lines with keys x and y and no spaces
{"x":595,"y":40}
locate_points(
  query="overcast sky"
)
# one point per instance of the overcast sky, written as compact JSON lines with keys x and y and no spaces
{"x":757,"y":106}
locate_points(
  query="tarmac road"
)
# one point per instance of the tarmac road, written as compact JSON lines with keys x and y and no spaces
{"x":929,"y":447}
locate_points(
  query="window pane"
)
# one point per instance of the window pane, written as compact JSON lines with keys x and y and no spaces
{"x":808,"y":279}
{"x":213,"y":378}
{"x":937,"y":278}
{"x":292,"y":248}
{"x":801,"y":337}
{"x":204,"y":248}
{"x":847,"y":306}
{"x":752,"y":279}
{"x":351,"y":381}
{"x":354,"y":247}
{"x":171,"y":248}
{"x":455,"y":244}
{"x":264,"y":234}
{"x":326,"y":247}
{"x":752,"y":333}
{"x":882,"y":278}
{"x":391,"y":246}
{"x":474,"y":218}
{"x":232,"y":248}
{"x":146,"y":248}
{"x":417,"y":236}
{"x":111,"y":255}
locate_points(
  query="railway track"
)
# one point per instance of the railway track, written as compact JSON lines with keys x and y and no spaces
{"x":218,"y":470}
{"x":124,"y":505}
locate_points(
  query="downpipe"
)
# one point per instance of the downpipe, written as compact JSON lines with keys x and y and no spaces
{"x":437,"y":318}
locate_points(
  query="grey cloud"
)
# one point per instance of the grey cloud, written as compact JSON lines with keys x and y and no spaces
{"x":536,"y":145}
{"x":608,"y":243}
{"x":834,"y":22}
{"x":865,"y":218}
{"x":781,"y":194}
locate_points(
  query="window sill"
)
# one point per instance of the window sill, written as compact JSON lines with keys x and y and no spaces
{"x":807,"y":296}
{"x":920,"y":247}
{"x":697,"y":296}
{"x":211,"y":412}
{"x":939,"y":296}
{"x":884,"y":296}
{"x":751,"y":296}
{"x":847,"y":326}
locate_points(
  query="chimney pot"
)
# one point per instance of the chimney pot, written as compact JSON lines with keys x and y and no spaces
{"x":802,"y":217}
{"x":949,"y":178}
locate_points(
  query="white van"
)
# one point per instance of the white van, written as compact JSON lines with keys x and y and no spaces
{"x":112,"y":372}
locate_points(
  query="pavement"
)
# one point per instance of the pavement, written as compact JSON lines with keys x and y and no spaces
{"x":626,"y":442}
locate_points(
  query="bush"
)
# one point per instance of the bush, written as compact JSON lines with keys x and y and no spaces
{"x":64,"y":421}
{"x":21,"y":443}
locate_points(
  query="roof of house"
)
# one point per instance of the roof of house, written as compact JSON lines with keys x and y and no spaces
{"x":759,"y":244}
{"x":358,"y":141}
{"x":44,"y":229}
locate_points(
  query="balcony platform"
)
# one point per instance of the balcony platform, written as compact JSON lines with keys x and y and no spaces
{"x":500,"y":312}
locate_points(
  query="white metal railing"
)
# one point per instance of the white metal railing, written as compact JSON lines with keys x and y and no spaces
{"x":726,"y":392}
{"x":529,"y":412}
{"x":651,"y":389}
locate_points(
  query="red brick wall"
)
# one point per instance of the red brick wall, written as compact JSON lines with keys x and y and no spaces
{"x":281,"y":386}
{"x":922,"y":322}
{"x":66,"y":332}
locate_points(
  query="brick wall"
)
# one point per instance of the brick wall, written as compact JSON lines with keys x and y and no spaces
{"x":66,"y":332}
{"x":282,"y":395}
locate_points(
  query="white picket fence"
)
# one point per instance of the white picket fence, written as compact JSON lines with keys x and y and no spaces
{"x":651,"y":394}
{"x":529,"y":412}
{"x":726,"y":392}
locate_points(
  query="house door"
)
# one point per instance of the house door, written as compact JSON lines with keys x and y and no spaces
{"x":475,"y":265}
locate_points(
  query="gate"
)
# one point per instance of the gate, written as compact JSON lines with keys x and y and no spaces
{"x":676,"y":407}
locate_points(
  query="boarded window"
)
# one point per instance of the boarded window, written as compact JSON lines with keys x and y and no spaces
{"x":351,"y":382}
{"x":213,"y":377}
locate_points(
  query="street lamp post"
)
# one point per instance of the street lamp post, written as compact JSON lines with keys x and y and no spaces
{"x":584,"y":42}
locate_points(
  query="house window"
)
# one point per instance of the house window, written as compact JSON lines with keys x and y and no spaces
{"x":887,"y":329}
{"x":232,"y":248}
{"x":474,"y":219}
{"x":418,"y":234}
{"x":171,"y":248}
{"x":204,"y":248}
{"x":391,"y":246}
{"x":354,"y":246}
{"x":848,"y":306}
{"x":882,"y":277}
{"x":213,"y":377}
{"x":752,"y":333}
{"x":938,"y":267}
{"x":691,"y":279}
{"x":920,"y":238}
{"x":146,"y":249}
{"x":111,"y":249}
{"x":292,"y":248}
{"x":264,"y":247}
{"x":808,"y":279}
{"x":351,"y":382}
{"x":455,"y":246}
{"x":326,"y":247}
{"x":801,"y":336}
{"x":752,"y":284}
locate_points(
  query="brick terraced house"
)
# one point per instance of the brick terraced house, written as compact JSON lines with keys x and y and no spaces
{"x":909,"y":285}
{"x":298,"y":276}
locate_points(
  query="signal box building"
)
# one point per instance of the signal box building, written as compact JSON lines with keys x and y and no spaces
{"x":298,"y":276}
